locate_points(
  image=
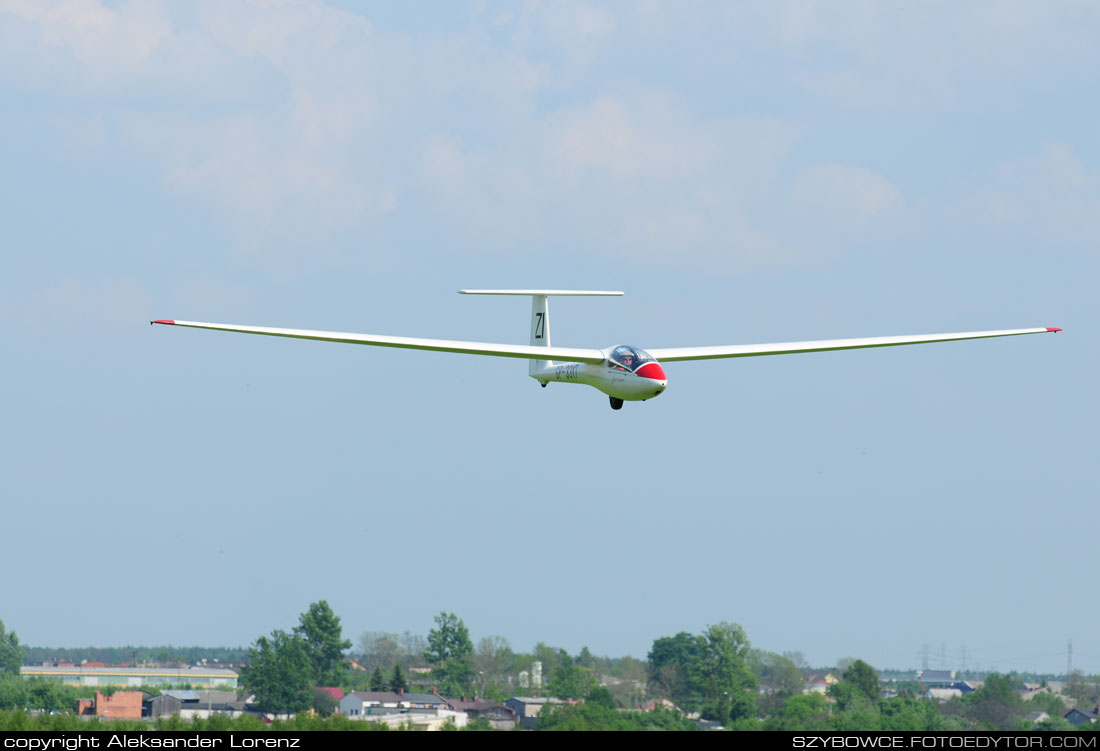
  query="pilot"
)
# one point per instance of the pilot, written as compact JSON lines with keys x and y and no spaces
{"x":627,"y":360}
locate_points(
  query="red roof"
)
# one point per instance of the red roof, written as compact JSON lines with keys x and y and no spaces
{"x":335,"y":692}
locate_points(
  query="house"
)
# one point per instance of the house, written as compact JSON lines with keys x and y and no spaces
{"x":499,"y":716}
{"x":335,"y":692}
{"x":203,"y":704}
{"x":937,"y":678}
{"x":422,"y":711}
{"x":155,"y":707}
{"x":818,"y":681}
{"x":652,"y":704}
{"x":527,"y":708}
{"x":421,"y":719}
{"x":425,"y":701}
{"x":361,"y":705}
{"x":1078,"y":717}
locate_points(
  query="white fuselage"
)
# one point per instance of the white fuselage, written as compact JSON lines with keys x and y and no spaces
{"x":608,"y":377}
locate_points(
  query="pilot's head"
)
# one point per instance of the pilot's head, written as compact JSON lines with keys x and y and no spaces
{"x":627,"y":358}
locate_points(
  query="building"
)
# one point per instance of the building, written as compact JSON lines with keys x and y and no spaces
{"x":204,"y":704}
{"x":1079,"y":717}
{"x":527,"y":708}
{"x":937,"y":678}
{"x":818,"y":681}
{"x":942,"y":694}
{"x":498,"y":716}
{"x":155,"y":707}
{"x":122,"y":705}
{"x":82,"y":675}
{"x":422,"y":711}
{"x":363,"y":704}
{"x":424,"y":701}
{"x":335,"y":692}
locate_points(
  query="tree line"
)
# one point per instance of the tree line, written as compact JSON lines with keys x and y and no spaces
{"x":715,"y":675}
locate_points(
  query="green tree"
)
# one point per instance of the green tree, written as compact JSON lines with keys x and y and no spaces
{"x":493,"y":662}
{"x":995,"y":704}
{"x":571,"y":681}
{"x":319,"y":630}
{"x":730,"y":692}
{"x":323,"y":702}
{"x":909,"y":713}
{"x":597,"y":715}
{"x":398,"y":682}
{"x":846,"y":695}
{"x":1079,"y":689}
{"x":451,"y":654}
{"x":11,"y":653}
{"x":280,"y":673}
{"x":13,"y":692}
{"x":1045,"y":701}
{"x":863,"y":677}
{"x":801,"y":712}
{"x":600,"y":695}
{"x":674,"y":669}
{"x":549,"y":657}
{"x":381,"y":650}
{"x":779,"y":679}
{"x":377,"y":680}
{"x":858,"y":713}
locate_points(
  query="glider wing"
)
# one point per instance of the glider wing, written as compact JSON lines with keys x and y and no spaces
{"x":521,"y":351}
{"x":826,"y":345}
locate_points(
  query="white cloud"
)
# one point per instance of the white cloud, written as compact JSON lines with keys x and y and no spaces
{"x":300,"y":124}
{"x":98,"y":36}
{"x":1053,"y":194}
{"x":607,"y":138}
{"x":844,"y":196}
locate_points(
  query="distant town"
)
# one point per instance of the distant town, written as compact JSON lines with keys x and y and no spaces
{"x":311,"y":677}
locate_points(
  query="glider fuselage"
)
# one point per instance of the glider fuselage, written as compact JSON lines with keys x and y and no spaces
{"x":630,"y":378}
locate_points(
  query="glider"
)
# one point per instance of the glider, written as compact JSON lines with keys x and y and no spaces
{"x":623,"y":372}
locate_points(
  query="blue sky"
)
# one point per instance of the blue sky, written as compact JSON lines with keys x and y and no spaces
{"x":745,"y":172}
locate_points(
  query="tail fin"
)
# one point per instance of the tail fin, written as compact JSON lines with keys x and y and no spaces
{"x":540,"y":314}
{"x":540,"y":331}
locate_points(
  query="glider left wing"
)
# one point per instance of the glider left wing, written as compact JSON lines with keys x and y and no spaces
{"x":522,"y":351}
{"x":790,"y":348}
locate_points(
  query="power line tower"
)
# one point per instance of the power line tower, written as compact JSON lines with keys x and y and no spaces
{"x":1069,"y":658}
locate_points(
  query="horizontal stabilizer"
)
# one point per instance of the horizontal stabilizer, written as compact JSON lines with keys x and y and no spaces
{"x":544,"y":292}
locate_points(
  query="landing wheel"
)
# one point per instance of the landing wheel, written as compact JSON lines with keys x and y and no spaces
{"x":542,"y":383}
{"x":616,"y":403}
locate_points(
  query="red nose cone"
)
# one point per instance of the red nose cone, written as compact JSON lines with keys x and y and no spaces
{"x":652,"y":370}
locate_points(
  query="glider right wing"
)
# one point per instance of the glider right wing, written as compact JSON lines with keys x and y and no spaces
{"x":789,"y":348}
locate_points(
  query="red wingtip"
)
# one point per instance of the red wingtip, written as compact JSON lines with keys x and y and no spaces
{"x":1050,"y":328}
{"x":170,"y":323}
